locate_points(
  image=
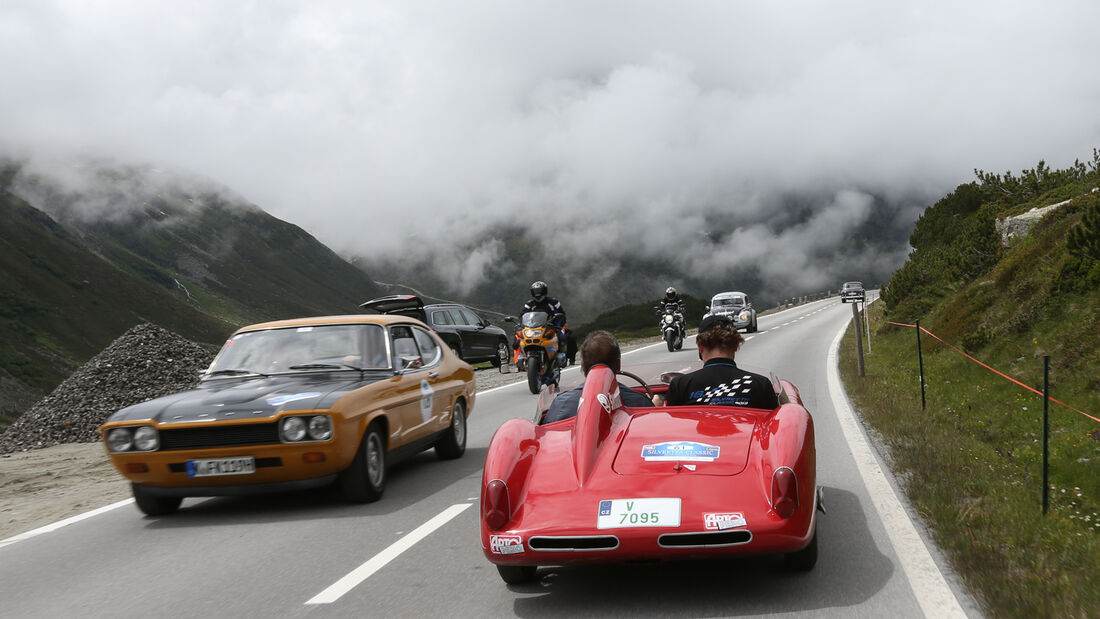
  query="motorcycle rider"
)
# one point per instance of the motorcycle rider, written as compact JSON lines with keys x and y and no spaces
{"x":672,"y":301}
{"x":540,"y":301}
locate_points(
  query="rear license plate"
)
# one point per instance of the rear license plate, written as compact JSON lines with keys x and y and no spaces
{"x":221,"y":466}
{"x":620,"y":513}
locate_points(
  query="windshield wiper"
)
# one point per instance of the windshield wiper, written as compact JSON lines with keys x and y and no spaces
{"x":324,"y":366}
{"x":234,"y":373}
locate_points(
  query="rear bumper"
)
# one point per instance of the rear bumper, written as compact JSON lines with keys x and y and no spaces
{"x":263,"y":488}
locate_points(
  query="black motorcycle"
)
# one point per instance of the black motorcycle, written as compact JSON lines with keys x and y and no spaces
{"x":672,"y":327}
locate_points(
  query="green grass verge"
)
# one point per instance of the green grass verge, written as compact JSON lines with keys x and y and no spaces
{"x":971,"y":465}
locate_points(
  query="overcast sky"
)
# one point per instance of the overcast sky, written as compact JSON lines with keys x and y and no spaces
{"x":360,"y":120}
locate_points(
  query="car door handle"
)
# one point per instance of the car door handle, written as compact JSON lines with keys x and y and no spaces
{"x":433,"y":374}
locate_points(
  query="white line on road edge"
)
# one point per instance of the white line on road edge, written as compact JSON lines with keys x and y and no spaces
{"x":62,"y":523}
{"x":378,"y":561}
{"x":929,"y":586}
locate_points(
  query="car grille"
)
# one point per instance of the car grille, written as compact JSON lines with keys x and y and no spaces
{"x":705,"y":540}
{"x":219,"y":436}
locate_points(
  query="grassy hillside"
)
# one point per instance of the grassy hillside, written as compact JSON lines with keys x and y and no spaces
{"x":971,"y":462}
{"x":60,"y":303}
{"x":81,"y":265}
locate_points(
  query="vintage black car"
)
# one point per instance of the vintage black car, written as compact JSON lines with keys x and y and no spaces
{"x":852,"y":292}
{"x":470,"y":336}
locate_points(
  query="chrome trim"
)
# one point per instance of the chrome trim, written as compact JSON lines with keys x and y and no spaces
{"x":538,"y":537}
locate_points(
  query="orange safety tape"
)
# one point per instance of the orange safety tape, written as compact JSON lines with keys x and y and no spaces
{"x":1001,"y":374}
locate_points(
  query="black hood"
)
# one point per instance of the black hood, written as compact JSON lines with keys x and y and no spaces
{"x":248,"y":398}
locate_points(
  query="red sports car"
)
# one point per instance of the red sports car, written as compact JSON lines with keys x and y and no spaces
{"x":670,"y":482}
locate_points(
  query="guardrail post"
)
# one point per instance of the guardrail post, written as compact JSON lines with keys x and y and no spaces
{"x":859,"y":337}
{"x":1046,"y":428}
{"x":920,"y":361}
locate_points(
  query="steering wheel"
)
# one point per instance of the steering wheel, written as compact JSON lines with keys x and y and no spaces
{"x":641,"y":382}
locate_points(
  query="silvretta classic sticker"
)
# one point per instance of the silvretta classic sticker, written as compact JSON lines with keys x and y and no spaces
{"x":279,"y":400}
{"x":685,"y":451}
{"x":724,"y":520}
{"x":506,"y":544}
{"x":426,"y":393}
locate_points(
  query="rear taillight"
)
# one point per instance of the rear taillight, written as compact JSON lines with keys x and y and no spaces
{"x":495,"y":507}
{"x":784,"y":492}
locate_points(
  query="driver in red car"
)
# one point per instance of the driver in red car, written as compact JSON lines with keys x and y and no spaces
{"x":598,"y":348}
{"x":720,"y":382}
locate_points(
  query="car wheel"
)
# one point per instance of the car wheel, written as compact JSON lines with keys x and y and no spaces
{"x":453,"y":443}
{"x":517,"y":574}
{"x":503,"y":352}
{"x":803,"y":560}
{"x":365,"y":479}
{"x":152,"y":505}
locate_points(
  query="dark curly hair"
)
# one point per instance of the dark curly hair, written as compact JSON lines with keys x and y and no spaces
{"x":724,"y":337}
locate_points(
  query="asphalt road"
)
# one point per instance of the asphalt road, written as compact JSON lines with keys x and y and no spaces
{"x":416,"y":553}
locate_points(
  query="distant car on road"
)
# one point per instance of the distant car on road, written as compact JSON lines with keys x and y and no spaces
{"x":297,"y":404}
{"x":852,"y":292}
{"x":470,"y":336}
{"x":737,"y":306}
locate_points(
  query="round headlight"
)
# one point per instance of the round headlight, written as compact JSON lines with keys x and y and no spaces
{"x":294,"y":429}
{"x":146,"y":439}
{"x":744,"y":315}
{"x":120,"y":439}
{"x":320,"y":428}
{"x":668,"y":318}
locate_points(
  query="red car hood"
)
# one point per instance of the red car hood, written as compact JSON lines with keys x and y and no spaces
{"x":664,"y":443}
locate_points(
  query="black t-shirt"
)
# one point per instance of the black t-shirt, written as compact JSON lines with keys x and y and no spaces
{"x":721,"y":383}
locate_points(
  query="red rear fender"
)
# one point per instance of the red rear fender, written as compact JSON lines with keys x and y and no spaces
{"x":510,"y":454}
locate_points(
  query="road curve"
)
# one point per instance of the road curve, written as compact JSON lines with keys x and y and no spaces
{"x":416,"y":552}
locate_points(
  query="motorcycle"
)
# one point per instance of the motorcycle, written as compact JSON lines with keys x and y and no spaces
{"x":672,"y":328}
{"x":537,"y":351}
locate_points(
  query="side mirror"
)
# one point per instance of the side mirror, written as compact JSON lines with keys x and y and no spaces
{"x":410,"y":362}
{"x":509,"y":319}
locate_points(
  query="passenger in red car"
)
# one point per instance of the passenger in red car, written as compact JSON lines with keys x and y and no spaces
{"x":720,"y":382}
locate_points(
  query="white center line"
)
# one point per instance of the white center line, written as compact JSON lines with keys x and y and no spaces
{"x":378,"y":561}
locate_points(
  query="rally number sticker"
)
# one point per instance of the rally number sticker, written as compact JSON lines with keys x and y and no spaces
{"x":723,"y":521}
{"x":506,"y":544}
{"x":623,"y":513}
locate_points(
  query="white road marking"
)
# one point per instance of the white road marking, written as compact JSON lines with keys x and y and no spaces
{"x":929,"y":586}
{"x":62,"y":523}
{"x":378,"y":561}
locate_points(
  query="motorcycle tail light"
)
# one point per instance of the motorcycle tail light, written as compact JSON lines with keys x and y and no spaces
{"x":495,"y":506}
{"x":784,"y":492}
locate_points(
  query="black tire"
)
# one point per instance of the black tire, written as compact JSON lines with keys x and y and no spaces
{"x":680,"y":343}
{"x":517,"y":574}
{"x":453,"y":442}
{"x":365,"y":478}
{"x":533,"y":374}
{"x":152,"y":505}
{"x":670,"y":340}
{"x":804,"y":560}
{"x":503,"y":352}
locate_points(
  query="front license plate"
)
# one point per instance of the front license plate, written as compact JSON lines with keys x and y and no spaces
{"x":221,"y":466}
{"x":620,"y":513}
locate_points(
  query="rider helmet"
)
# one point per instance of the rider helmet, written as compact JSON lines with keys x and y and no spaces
{"x":670,"y":294}
{"x":539,"y":290}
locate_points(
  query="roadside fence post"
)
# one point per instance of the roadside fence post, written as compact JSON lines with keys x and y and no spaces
{"x":920,"y":361}
{"x":1046,"y":431}
{"x":859,"y":337}
{"x":867,"y":325}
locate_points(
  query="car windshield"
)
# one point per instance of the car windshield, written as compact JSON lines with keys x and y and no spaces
{"x":301,"y":349}
{"x":534,"y":319}
{"x":851,"y":285}
{"x":726,"y":303}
